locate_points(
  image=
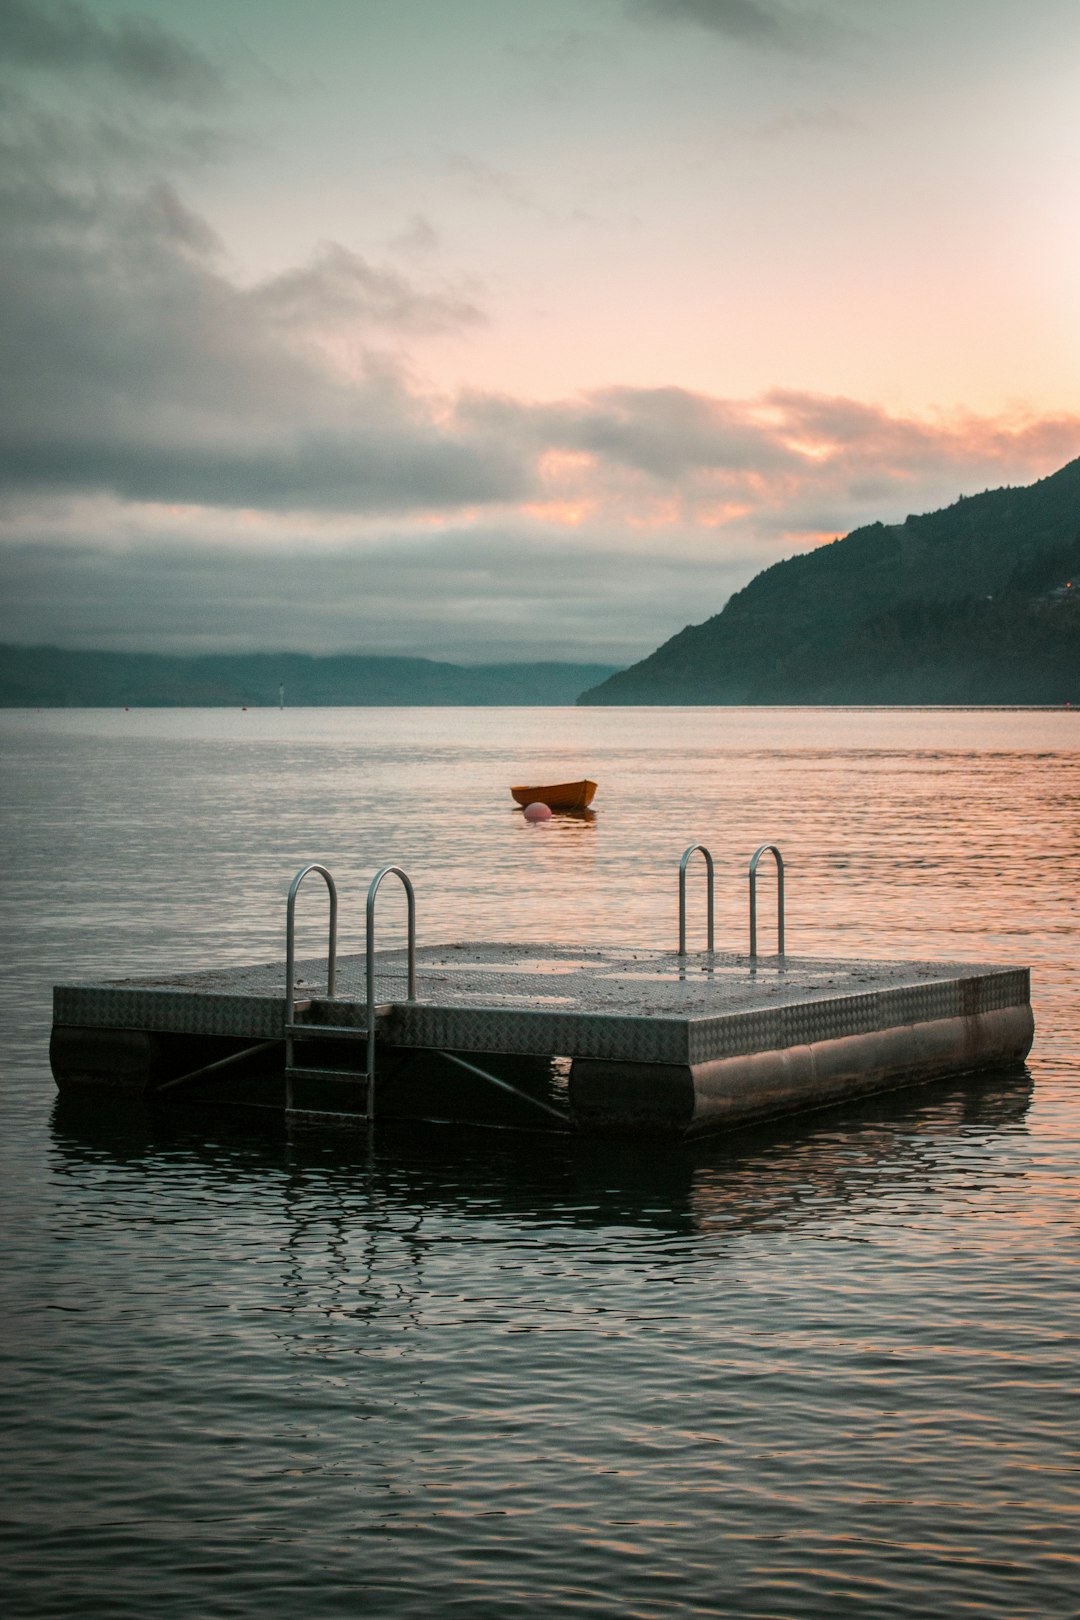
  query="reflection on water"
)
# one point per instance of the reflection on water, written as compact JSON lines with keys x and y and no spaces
{"x":820,"y":1369}
{"x":760,"y":1177}
{"x":587,"y":816}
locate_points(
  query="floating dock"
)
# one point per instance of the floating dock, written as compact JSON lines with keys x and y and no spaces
{"x":661,"y":1042}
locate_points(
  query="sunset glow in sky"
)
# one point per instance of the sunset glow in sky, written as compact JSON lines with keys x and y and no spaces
{"x":488,"y":329}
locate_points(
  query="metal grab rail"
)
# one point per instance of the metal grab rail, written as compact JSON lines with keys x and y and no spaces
{"x":290,"y":937}
{"x":369,"y":967}
{"x":710,"y":885}
{"x":290,"y":963}
{"x":766,"y":849}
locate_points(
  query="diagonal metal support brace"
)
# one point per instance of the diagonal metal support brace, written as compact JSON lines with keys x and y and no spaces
{"x":504,"y":1085}
{"x":216,"y":1068}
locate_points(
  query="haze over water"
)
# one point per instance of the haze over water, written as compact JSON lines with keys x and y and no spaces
{"x":818,"y":1370}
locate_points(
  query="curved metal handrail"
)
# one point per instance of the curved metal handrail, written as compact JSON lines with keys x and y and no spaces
{"x":710,"y":885}
{"x":766,"y":849}
{"x":290,"y":937}
{"x":369,"y":967}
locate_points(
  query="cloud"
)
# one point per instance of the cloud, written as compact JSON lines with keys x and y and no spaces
{"x":61,"y":36}
{"x":558,"y":60}
{"x":787,"y":464}
{"x":668,"y":432}
{"x":130,"y":361}
{"x":338,"y":286}
{"x":846,"y":443}
{"x":465,"y":596}
{"x":768,"y":25}
{"x":418,"y":238}
{"x":85,"y":103}
{"x":480,"y":179}
{"x":133,"y":363}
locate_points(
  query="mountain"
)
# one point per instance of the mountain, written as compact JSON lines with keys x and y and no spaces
{"x":957,"y":606}
{"x":53,"y":677}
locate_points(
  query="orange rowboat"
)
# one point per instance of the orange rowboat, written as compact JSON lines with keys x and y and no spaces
{"x":563,"y":796}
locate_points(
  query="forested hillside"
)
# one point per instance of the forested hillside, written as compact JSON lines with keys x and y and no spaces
{"x":971,"y":604}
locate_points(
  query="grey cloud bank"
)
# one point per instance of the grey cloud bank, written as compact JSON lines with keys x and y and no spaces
{"x":506,"y":597}
{"x":136,"y":52}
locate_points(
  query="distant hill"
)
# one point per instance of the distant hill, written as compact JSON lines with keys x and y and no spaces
{"x":53,"y":677}
{"x":965,"y":605}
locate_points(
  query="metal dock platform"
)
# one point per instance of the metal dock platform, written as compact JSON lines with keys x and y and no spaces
{"x":672,"y":1042}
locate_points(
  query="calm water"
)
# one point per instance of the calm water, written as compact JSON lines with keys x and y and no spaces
{"x":822,"y":1370}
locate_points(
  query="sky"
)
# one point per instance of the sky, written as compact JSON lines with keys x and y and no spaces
{"x":512,"y":329}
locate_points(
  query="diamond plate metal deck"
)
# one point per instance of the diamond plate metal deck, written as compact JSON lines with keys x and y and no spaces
{"x":636,"y":1006}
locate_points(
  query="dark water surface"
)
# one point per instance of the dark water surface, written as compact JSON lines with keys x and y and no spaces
{"x":822,"y":1370}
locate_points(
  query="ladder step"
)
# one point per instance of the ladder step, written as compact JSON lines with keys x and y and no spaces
{"x":351,"y":1076}
{"x":326,"y":1032}
{"x":326,"y":1116}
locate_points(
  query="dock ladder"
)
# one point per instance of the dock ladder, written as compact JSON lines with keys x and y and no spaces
{"x":334,"y":1085}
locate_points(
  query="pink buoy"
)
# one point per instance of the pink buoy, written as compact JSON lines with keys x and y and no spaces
{"x":538,"y":812}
